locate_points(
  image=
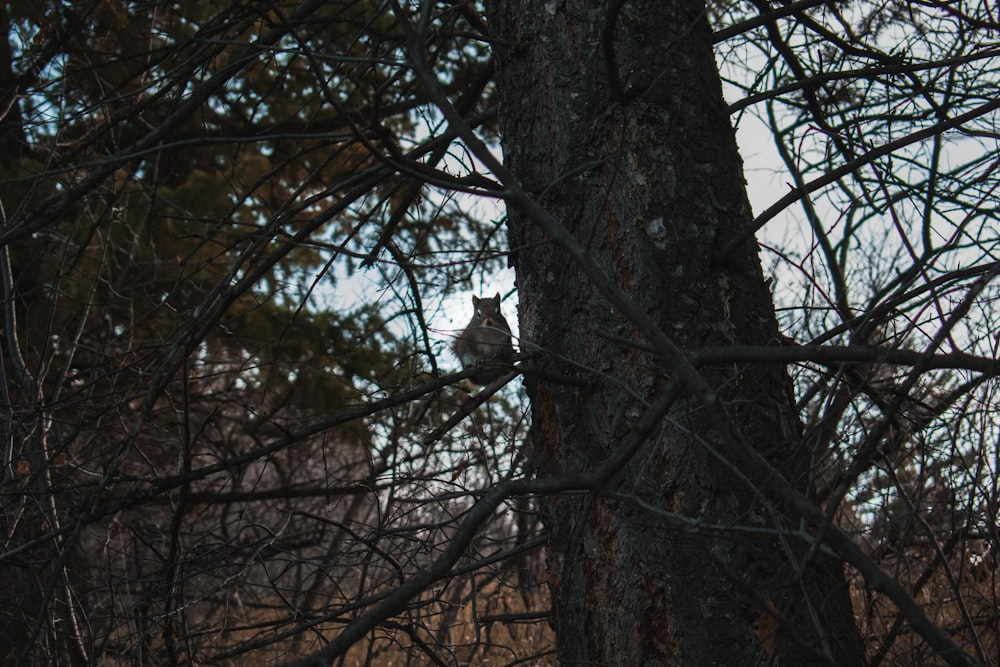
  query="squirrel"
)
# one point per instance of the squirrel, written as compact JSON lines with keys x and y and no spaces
{"x":486,"y":339}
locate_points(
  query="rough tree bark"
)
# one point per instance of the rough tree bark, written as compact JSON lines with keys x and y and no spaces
{"x":612,"y":115}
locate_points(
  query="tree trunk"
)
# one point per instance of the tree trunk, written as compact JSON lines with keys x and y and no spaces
{"x":612,"y":116}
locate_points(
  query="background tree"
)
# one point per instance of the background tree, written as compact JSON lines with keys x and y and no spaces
{"x":232,"y":236}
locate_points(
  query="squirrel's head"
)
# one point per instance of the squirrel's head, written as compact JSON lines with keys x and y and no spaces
{"x":487,"y":310}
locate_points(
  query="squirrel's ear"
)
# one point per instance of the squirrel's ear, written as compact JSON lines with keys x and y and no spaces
{"x":497,"y":297}
{"x":475,"y":301}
